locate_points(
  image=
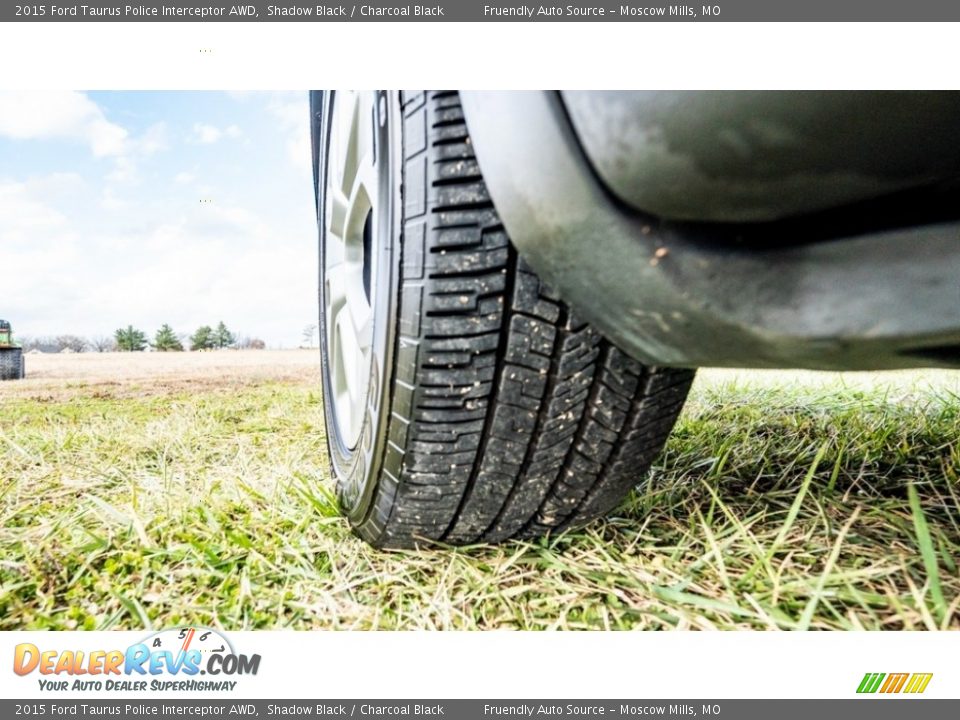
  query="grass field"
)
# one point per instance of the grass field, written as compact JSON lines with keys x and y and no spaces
{"x":154,"y":490}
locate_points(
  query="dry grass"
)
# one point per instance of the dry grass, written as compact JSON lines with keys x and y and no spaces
{"x":63,"y":376}
{"x":162,"y":489}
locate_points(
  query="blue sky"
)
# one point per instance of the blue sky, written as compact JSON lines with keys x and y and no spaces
{"x":102,"y":224}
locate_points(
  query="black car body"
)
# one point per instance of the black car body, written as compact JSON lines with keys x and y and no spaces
{"x":740,"y":229}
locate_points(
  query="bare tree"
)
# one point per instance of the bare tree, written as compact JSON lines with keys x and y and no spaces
{"x":103,"y":343}
{"x":74,"y":342}
{"x":245,"y":342}
{"x":43,"y":343}
{"x":308,"y":332}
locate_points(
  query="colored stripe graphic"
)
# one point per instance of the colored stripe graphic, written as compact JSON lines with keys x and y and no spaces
{"x":918,"y":682}
{"x":870,"y":682}
{"x":894,"y":683}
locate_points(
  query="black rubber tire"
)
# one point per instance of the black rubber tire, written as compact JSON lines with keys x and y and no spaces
{"x":11,"y":363}
{"x":507,"y":416}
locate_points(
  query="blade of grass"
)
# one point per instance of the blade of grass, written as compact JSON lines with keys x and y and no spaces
{"x":807,"y":616}
{"x":927,"y":553}
{"x":798,"y":501}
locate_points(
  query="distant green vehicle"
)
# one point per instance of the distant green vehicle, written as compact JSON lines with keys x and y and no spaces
{"x":11,"y":354}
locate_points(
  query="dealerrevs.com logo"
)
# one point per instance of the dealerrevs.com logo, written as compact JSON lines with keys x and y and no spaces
{"x":168,"y":660}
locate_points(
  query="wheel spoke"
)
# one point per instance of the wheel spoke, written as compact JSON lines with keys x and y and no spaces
{"x":345,"y":294}
{"x":336,"y":218}
{"x":361,"y":314}
{"x":365,"y":191}
{"x":358,"y":146}
{"x":350,"y":352}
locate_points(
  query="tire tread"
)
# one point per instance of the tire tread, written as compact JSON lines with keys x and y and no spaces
{"x":511,"y":417}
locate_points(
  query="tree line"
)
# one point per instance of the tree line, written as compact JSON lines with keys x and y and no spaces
{"x":132,"y":339}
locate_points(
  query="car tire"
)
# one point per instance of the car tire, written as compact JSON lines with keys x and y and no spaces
{"x":11,"y":363}
{"x":488,"y":409}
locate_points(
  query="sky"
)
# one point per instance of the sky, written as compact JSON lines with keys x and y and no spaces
{"x":145,"y":208}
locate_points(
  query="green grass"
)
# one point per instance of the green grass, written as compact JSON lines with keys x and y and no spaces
{"x":775,"y":505}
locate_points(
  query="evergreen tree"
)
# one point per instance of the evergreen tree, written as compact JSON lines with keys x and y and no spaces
{"x":222,"y":337}
{"x":202,"y":339}
{"x":129,"y":339}
{"x":166,"y":340}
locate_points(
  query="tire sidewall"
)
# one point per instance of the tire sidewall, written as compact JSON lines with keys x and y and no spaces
{"x":357,"y":470}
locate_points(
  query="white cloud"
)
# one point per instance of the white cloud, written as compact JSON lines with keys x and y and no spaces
{"x":121,"y":243}
{"x":207,"y":134}
{"x":153,"y":140}
{"x":125,"y":166}
{"x":110,"y":201}
{"x":25,"y":209}
{"x":124,"y":170}
{"x":68,"y":114}
{"x":40,"y":245}
{"x":195,"y":256}
{"x":71,"y":263}
{"x":290,"y":110}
